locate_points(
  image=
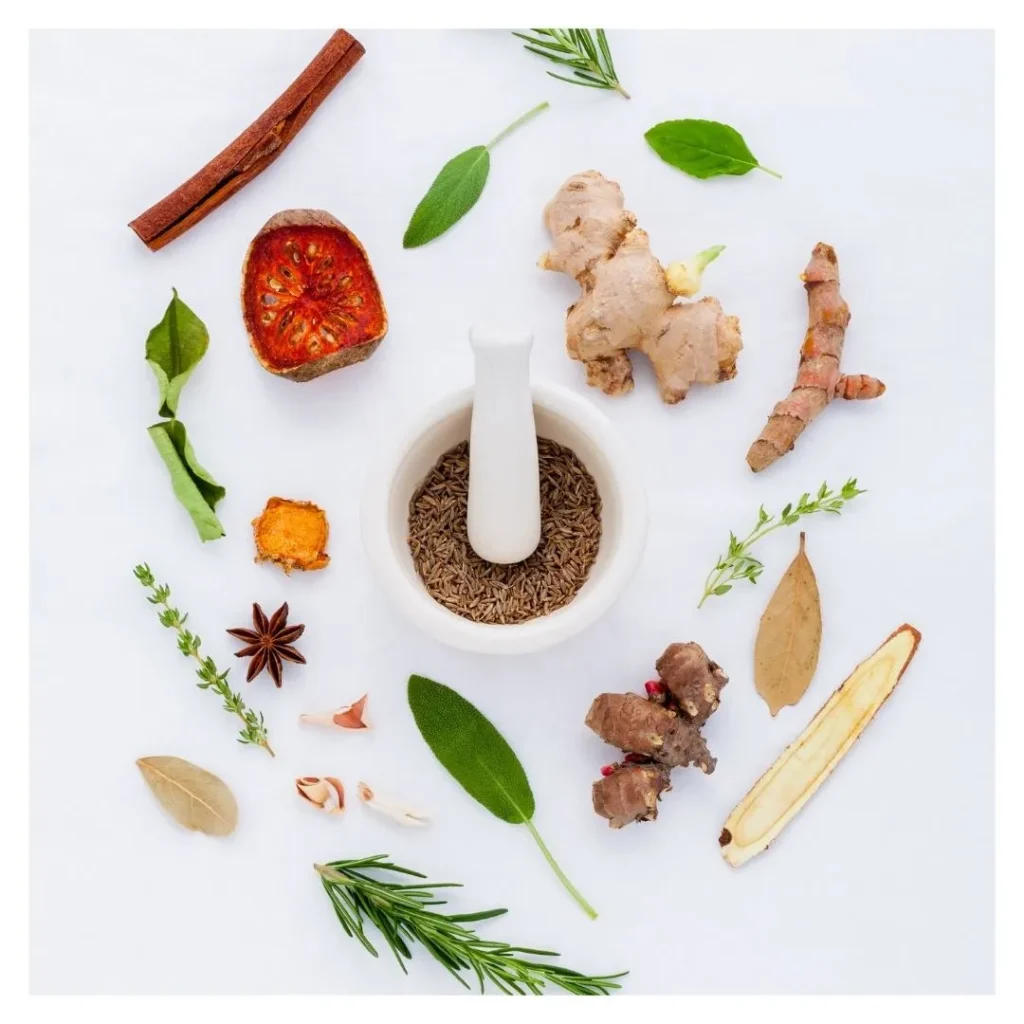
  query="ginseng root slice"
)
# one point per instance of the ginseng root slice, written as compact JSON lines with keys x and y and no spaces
{"x":803,"y":766}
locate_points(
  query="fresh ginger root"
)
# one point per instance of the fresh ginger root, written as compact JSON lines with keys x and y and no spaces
{"x":629,"y":301}
{"x":818,"y":379}
{"x":656,"y":733}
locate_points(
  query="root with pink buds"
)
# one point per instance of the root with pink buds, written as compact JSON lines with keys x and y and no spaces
{"x":630,"y":793}
{"x":656,"y":733}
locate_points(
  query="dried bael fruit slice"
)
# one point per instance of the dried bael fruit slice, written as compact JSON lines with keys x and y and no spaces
{"x":309,"y":298}
{"x":291,"y":533}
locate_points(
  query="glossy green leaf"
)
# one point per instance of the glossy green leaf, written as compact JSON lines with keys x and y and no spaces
{"x":452,"y":195}
{"x":194,"y":487}
{"x":703,"y":149}
{"x":473,"y":751}
{"x":173,"y":349}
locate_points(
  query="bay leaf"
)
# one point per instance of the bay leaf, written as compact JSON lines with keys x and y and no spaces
{"x":191,"y":795}
{"x":789,"y":637}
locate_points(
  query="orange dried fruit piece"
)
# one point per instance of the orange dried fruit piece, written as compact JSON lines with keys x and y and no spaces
{"x":291,"y":533}
{"x":310,"y":300}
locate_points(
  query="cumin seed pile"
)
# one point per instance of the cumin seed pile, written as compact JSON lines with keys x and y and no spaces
{"x":457,"y":577}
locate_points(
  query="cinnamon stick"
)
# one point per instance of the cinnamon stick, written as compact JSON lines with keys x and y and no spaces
{"x":254,"y":150}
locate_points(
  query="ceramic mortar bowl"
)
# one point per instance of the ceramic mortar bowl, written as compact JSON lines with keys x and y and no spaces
{"x":560,"y":416}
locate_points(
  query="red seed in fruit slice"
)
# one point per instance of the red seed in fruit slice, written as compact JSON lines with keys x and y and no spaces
{"x":309,"y":297}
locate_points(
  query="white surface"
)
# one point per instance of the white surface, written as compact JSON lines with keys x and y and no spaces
{"x":503,"y":509}
{"x":884,"y":883}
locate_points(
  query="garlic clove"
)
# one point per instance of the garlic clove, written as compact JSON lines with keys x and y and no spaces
{"x":326,"y":794}
{"x":391,"y":808}
{"x":349,"y":716}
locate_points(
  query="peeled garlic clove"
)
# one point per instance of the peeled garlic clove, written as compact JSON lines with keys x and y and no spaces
{"x":350,"y":716}
{"x":325,"y":794}
{"x":394,"y":810}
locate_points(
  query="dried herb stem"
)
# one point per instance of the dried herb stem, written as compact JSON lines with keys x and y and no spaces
{"x":189,"y":644}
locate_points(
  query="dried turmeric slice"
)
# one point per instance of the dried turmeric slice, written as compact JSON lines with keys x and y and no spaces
{"x":291,"y":533}
{"x":803,"y":766}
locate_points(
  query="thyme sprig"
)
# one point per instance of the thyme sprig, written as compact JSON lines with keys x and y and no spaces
{"x":587,"y":56}
{"x":402,"y":912}
{"x":189,"y":644}
{"x":739,"y":564}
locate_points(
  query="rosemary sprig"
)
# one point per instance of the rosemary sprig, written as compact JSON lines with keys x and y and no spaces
{"x":738,"y":564}
{"x":402,"y":912}
{"x":209,"y":678}
{"x":588,"y":57}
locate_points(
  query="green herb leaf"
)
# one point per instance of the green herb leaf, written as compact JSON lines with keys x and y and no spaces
{"x":173,"y":349}
{"x":255,"y":732}
{"x":194,"y":487}
{"x":739,"y":564}
{"x":473,"y":751}
{"x":452,"y":195}
{"x":479,"y":758}
{"x":455,"y":190}
{"x":703,"y":149}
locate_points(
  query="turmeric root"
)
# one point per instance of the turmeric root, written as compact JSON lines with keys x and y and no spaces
{"x":628,"y":302}
{"x":818,"y":379}
{"x":656,"y":733}
{"x":293,"y":534}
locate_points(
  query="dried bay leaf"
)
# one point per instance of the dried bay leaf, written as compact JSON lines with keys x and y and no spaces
{"x":789,"y":637}
{"x":191,"y":795}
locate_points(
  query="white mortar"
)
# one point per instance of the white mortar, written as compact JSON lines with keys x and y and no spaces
{"x":561,"y":416}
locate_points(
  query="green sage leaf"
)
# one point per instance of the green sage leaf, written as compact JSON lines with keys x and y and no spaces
{"x":452,"y":195}
{"x":474,"y":752}
{"x":194,"y":487}
{"x":703,"y":149}
{"x":173,"y":349}
{"x":454,"y":192}
{"x":479,"y":758}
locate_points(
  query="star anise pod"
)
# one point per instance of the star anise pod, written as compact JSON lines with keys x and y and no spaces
{"x":269,"y":644}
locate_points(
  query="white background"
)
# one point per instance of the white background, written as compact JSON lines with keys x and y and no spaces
{"x":884,"y":884}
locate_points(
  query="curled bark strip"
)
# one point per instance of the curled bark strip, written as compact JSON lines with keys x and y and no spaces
{"x":254,"y":150}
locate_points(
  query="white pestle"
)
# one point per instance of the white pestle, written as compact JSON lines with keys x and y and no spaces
{"x":503,"y":519}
